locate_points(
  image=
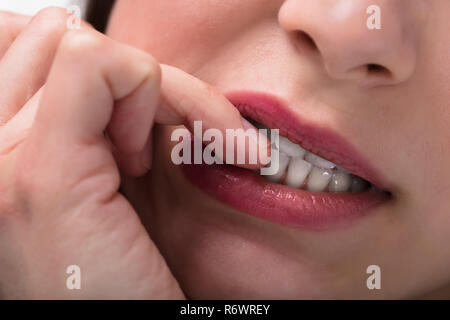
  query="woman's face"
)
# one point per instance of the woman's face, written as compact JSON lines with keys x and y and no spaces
{"x":385,"y":91}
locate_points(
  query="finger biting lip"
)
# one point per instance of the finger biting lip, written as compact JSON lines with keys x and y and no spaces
{"x":248,"y":192}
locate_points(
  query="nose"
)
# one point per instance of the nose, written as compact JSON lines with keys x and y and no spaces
{"x":371,"y":45}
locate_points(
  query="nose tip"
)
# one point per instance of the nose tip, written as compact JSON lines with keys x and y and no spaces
{"x":368,"y":47}
{"x":378,"y":57}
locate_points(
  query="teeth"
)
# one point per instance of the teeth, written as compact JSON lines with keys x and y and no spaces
{"x":319,"y":162}
{"x":358,"y":184}
{"x":340,"y":182}
{"x":319,"y":179}
{"x":297,"y":172}
{"x":291,"y":149}
{"x":283,"y":161}
{"x":339,"y":168}
{"x":296,"y":165}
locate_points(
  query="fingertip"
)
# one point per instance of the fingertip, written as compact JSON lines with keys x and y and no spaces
{"x":261,"y":143}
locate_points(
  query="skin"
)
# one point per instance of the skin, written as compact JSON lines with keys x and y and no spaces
{"x":60,"y":176}
{"x":99,"y":114}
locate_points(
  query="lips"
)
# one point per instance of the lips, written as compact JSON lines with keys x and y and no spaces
{"x":248,"y":192}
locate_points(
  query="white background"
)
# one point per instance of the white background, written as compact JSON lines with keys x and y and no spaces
{"x":30,"y":7}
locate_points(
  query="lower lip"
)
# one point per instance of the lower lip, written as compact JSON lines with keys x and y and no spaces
{"x":248,"y":192}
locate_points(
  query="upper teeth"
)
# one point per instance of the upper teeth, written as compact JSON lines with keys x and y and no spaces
{"x":303,"y":169}
{"x":289,"y":148}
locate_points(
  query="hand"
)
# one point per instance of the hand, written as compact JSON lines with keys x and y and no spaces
{"x":76,"y":110}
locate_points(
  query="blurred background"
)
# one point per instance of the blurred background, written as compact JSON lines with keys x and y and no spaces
{"x":94,"y":11}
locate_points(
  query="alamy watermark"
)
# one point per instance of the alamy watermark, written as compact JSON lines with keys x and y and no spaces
{"x":374,"y":20}
{"x":74,"y":20}
{"x":239,"y":146}
{"x":73,"y":281}
{"x":374,"y":280}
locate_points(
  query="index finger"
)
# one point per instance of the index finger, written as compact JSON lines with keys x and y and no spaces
{"x":186,"y":99}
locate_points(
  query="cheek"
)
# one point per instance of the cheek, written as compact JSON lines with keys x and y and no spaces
{"x":186,"y":33}
{"x":172,"y":31}
{"x":436,"y":112}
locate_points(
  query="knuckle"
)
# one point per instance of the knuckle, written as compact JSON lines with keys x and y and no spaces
{"x":81,"y":42}
{"x":140,"y":62}
{"x":155,"y":72}
{"x":51,"y":20}
{"x":210,"y":91}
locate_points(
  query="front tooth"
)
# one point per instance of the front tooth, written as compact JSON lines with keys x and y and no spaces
{"x":297,"y":172}
{"x":319,"y":179}
{"x":290,"y":148}
{"x":319,"y":161}
{"x":340,"y":182}
{"x":283,"y":161}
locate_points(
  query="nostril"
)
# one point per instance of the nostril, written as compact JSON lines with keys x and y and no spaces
{"x":378,"y":70}
{"x":306,"y":38}
{"x":368,"y":75}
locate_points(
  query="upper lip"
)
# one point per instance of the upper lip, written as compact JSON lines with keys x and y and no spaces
{"x":273,"y":112}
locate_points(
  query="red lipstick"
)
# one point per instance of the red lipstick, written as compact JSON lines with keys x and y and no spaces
{"x":250,"y":193}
